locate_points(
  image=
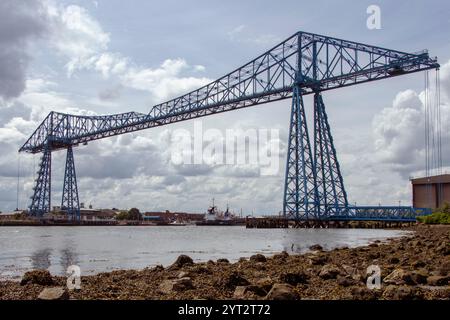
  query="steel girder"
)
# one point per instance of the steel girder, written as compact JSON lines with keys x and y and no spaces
{"x":41,"y":199}
{"x":305,"y":63}
{"x":322,"y":63}
{"x":330,"y":185}
{"x":70,"y":202}
{"x":300,"y":191}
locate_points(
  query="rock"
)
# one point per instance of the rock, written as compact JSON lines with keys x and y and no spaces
{"x":182,"y":284}
{"x":401,"y":293}
{"x":294,"y":278}
{"x":233,"y":280}
{"x":183,"y":274}
{"x":444,"y":269}
{"x":374,"y":255}
{"x":418,"y":264}
{"x":398,"y":277}
{"x":223,"y":260}
{"x":282,"y":291}
{"x":346,"y":281}
{"x":437,"y":280}
{"x":420,"y":276}
{"x":363,"y":293}
{"x":443,"y":249}
{"x":281,"y":256}
{"x":265,"y":283}
{"x":55,"y":293}
{"x":318,"y":260}
{"x":258,"y":258}
{"x":316,"y":247}
{"x":242,"y":259}
{"x":329,"y":271}
{"x":41,"y":277}
{"x":248,"y":292}
{"x":394,"y":260}
{"x":182,"y":260}
{"x":373,"y":245}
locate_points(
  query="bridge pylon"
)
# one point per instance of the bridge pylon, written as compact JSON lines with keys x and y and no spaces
{"x":41,"y":199}
{"x":70,"y":201}
{"x":300,"y":192}
{"x":332,"y":197}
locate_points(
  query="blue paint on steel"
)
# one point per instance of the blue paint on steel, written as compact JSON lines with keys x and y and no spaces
{"x":70,"y":202}
{"x":303,"y":64}
{"x":41,"y":199}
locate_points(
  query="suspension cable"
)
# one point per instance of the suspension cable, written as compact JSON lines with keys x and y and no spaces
{"x":18,"y":181}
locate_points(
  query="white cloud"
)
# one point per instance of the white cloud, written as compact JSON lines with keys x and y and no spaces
{"x":165,"y":81}
{"x":240,"y":34}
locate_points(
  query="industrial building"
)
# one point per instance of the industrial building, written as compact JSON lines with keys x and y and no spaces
{"x":431,"y":192}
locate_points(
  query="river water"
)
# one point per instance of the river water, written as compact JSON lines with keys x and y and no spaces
{"x":99,"y":249}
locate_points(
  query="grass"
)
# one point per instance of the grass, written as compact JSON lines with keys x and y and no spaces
{"x":439,"y":216}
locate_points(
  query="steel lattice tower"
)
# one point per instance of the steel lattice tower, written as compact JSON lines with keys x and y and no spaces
{"x":300,"y":181}
{"x":332,"y":197}
{"x":41,"y":199}
{"x":70,"y":202}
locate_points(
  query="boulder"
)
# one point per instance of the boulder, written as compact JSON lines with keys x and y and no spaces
{"x":420,"y":276}
{"x":329,"y":271}
{"x":41,"y":277}
{"x":233,"y":280}
{"x":54,"y":293}
{"x":281,"y":256}
{"x":346,"y":281}
{"x":248,"y":292}
{"x":223,"y":260}
{"x":401,"y":293}
{"x":444,"y":269}
{"x":258,"y":258}
{"x":398,"y":277}
{"x":181,"y":261}
{"x":437,"y":280}
{"x":182,"y":284}
{"x":294,"y":278}
{"x":394,"y":260}
{"x":418,"y":264}
{"x":318,"y":260}
{"x":282,"y":291}
{"x":182,"y":274}
{"x":316,"y":247}
{"x":363,"y":293}
{"x":265,"y":283}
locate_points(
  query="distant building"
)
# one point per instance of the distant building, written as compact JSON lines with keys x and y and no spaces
{"x":168,"y":216}
{"x":431,"y":192}
{"x":10,"y":215}
{"x":97,"y":214}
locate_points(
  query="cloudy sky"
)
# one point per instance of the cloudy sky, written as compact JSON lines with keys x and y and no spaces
{"x":103,"y":57}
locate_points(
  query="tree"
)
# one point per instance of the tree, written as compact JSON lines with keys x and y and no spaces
{"x":134,"y":214}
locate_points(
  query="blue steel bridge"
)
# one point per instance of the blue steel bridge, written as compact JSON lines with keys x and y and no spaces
{"x":303,"y":64}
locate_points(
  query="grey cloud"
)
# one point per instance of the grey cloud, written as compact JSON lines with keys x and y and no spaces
{"x":20,"y":22}
{"x":110,"y":94}
{"x":17,"y":109}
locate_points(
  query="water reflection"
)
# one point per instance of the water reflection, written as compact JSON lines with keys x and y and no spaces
{"x":68,"y":257}
{"x":40,"y":259}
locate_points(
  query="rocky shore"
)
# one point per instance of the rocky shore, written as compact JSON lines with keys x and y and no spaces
{"x":414,"y":267}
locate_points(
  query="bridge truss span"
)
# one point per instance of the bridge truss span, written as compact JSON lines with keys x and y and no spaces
{"x":303,"y":64}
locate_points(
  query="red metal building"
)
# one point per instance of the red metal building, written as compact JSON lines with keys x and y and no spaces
{"x":431,"y":192}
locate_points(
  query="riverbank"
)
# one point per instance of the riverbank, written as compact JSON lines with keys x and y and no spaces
{"x":414,"y":267}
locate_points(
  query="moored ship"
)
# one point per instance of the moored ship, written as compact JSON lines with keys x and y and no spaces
{"x":214,"y":217}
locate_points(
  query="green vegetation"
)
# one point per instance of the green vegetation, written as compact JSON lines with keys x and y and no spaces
{"x":439,"y":216}
{"x":132,"y":214}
